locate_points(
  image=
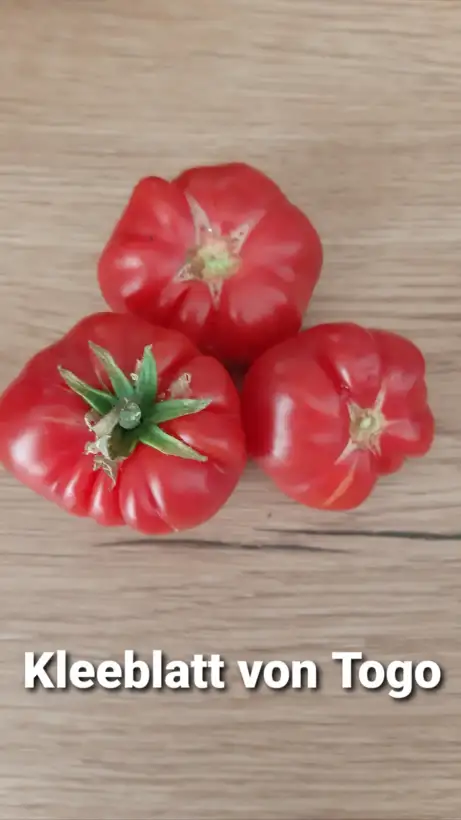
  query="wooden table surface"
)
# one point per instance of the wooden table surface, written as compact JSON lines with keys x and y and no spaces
{"x":354,"y":107}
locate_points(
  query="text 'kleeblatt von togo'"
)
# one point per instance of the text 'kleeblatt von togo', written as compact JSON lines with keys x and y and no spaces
{"x":57,"y":670}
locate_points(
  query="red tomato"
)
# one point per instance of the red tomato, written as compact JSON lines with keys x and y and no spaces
{"x":220,"y":254}
{"x":126,"y":423}
{"x":329,"y":411}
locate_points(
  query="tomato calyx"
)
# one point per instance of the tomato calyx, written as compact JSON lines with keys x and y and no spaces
{"x":366,"y":425}
{"x":131,"y":414}
{"x":212,"y":261}
{"x":215,"y":256}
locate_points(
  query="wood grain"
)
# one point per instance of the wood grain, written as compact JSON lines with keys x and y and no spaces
{"x":354,"y":107}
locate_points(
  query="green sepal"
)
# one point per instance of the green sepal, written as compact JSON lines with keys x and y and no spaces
{"x":121,"y":384}
{"x":146,"y":383}
{"x":98,"y":400}
{"x":122,"y":443}
{"x":159,"y":440}
{"x":176,"y":408}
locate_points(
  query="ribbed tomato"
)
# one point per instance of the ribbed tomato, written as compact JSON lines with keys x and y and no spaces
{"x":126,"y":423}
{"x":331,"y":410}
{"x":218,"y":253}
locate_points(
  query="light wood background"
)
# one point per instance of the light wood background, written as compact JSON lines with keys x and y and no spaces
{"x":354,"y":107}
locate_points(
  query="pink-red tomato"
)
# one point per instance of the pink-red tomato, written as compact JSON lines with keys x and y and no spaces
{"x":331,"y":410}
{"x":126,"y":423}
{"x":218,"y":253}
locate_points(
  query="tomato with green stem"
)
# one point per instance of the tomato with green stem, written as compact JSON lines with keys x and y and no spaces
{"x":126,"y":423}
{"x":331,"y":410}
{"x":218,"y":253}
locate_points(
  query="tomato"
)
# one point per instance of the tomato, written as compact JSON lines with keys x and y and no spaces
{"x":126,"y":423}
{"x":330,"y":411}
{"x":220,"y":254}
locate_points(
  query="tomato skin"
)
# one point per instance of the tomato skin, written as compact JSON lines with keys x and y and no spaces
{"x":303,"y":428}
{"x":43,"y":432}
{"x":262,"y":303}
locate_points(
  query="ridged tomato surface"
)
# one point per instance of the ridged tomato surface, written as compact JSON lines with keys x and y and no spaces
{"x":331,"y":410}
{"x":218,"y":253}
{"x":43,"y":434}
